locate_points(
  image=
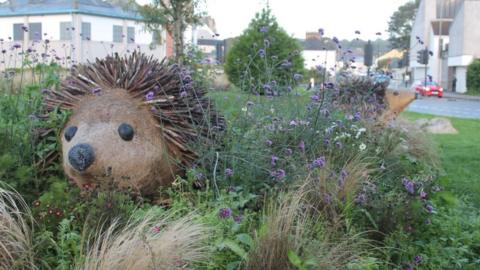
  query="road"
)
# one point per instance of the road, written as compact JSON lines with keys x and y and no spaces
{"x":446,"y":107}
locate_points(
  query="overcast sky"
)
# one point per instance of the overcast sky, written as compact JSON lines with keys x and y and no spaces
{"x":337,"y":17}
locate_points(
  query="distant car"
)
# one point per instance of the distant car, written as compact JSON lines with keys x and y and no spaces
{"x":430,"y":89}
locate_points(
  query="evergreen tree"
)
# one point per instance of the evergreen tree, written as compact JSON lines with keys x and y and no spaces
{"x":264,"y":59}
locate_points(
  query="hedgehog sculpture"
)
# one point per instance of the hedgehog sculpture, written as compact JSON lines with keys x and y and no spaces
{"x":133,"y":122}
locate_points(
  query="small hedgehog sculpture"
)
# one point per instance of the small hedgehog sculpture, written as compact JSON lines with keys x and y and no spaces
{"x":133,"y":122}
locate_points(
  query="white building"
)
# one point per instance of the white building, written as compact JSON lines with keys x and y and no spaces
{"x":316,"y":52}
{"x":73,"y":31}
{"x":449,"y":29}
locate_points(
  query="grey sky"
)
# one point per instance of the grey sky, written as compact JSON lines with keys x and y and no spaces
{"x":337,"y":17}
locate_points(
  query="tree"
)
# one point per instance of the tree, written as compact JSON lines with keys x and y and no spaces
{"x":473,"y":77}
{"x":175,"y":16}
{"x":264,"y":59}
{"x":400,"y":25}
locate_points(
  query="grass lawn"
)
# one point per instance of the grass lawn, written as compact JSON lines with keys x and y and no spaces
{"x":460,"y":154}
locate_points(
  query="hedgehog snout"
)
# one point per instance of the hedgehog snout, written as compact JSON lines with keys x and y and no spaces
{"x":81,"y":156}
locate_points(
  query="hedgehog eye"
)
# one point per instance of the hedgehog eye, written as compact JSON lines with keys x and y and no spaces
{"x":126,"y":132}
{"x":70,"y":133}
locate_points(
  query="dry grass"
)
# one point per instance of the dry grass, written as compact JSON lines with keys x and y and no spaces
{"x":295,"y":224}
{"x":420,"y":145}
{"x":16,"y":223}
{"x":283,"y":231}
{"x":331,"y":194}
{"x":152,"y":243}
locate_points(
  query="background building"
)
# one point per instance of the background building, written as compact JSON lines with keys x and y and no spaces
{"x":449,"y":30}
{"x":77,"y":30}
{"x":317,"y":52}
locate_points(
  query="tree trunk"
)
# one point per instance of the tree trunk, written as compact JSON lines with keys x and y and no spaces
{"x":178,"y":35}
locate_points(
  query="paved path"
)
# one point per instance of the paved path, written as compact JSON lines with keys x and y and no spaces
{"x":446,"y":107}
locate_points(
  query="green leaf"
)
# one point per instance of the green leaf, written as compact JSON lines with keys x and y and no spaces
{"x":245,"y":239}
{"x":370,"y":218}
{"x":233,"y":265}
{"x":237,"y":249}
{"x":294,"y":259}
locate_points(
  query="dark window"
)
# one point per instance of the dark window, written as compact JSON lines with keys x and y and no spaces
{"x":18,"y":31}
{"x":35,"y":31}
{"x":65,"y":30}
{"x":131,"y":34}
{"x":117,"y":33}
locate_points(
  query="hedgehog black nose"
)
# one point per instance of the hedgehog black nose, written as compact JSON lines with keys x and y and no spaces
{"x":81,"y":156}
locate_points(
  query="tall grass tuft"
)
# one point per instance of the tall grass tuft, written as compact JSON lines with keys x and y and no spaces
{"x":294,"y":235}
{"x":16,"y":224}
{"x":152,"y":243}
{"x":283,"y":231}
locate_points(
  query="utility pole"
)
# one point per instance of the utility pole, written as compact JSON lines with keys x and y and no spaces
{"x":368,"y":56}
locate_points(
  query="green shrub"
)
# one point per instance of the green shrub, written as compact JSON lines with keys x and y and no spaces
{"x":265,"y":58}
{"x":473,"y":77}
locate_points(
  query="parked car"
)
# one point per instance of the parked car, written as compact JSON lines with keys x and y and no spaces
{"x":430,"y":89}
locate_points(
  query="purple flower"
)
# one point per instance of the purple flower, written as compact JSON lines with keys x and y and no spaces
{"x":238,"y":218}
{"x":301,"y":145}
{"x":408,"y":267}
{"x":409,"y":185}
{"x":361,"y":198}
{"x":423,"y":195}
{"x":339,"y":145}
{"x":418,"y":259}
{"x":17,"y":46}
{"x":293,"y":123}
{"x":297,"y":76}
{"x":429,"y":208}
{"x":286,"y":64}
{"x":267,"y":87}
{"x":279,"y":174}
{"x":263,"y":29}
{"x":225,"y":213}
{"x":266,"y":42}
{"x":319,"y":162}
{"x":315,"y":98}
{"x":357,"y":117}
{"x":268,"y":143}
{"x":288,"y":152}
{"x":261,"y":53}
{"x":149,"y":96}
{"x":274,"y":160}
{"x":183,"y":94}
{"x":228,"y":172}
{"x":199,"y":176}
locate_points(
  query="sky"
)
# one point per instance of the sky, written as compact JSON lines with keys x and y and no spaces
{"x":340,"y":18}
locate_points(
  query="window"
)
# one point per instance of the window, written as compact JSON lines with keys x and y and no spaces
{"x":18,"y":31}
{"x":131,"y":34}
{"x":117,"y":33}
{"x":65,"y":30}
{"x":86,"y":31}
{"x":35,"y":31}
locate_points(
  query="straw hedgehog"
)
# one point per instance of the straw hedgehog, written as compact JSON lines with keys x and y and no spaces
{"x":134,"y":120}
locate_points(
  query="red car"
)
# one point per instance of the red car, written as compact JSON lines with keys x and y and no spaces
{"x":431,"y":89}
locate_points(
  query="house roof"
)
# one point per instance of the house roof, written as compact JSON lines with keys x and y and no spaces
{"x":45,"y":7}
{"x":317,"y":44}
